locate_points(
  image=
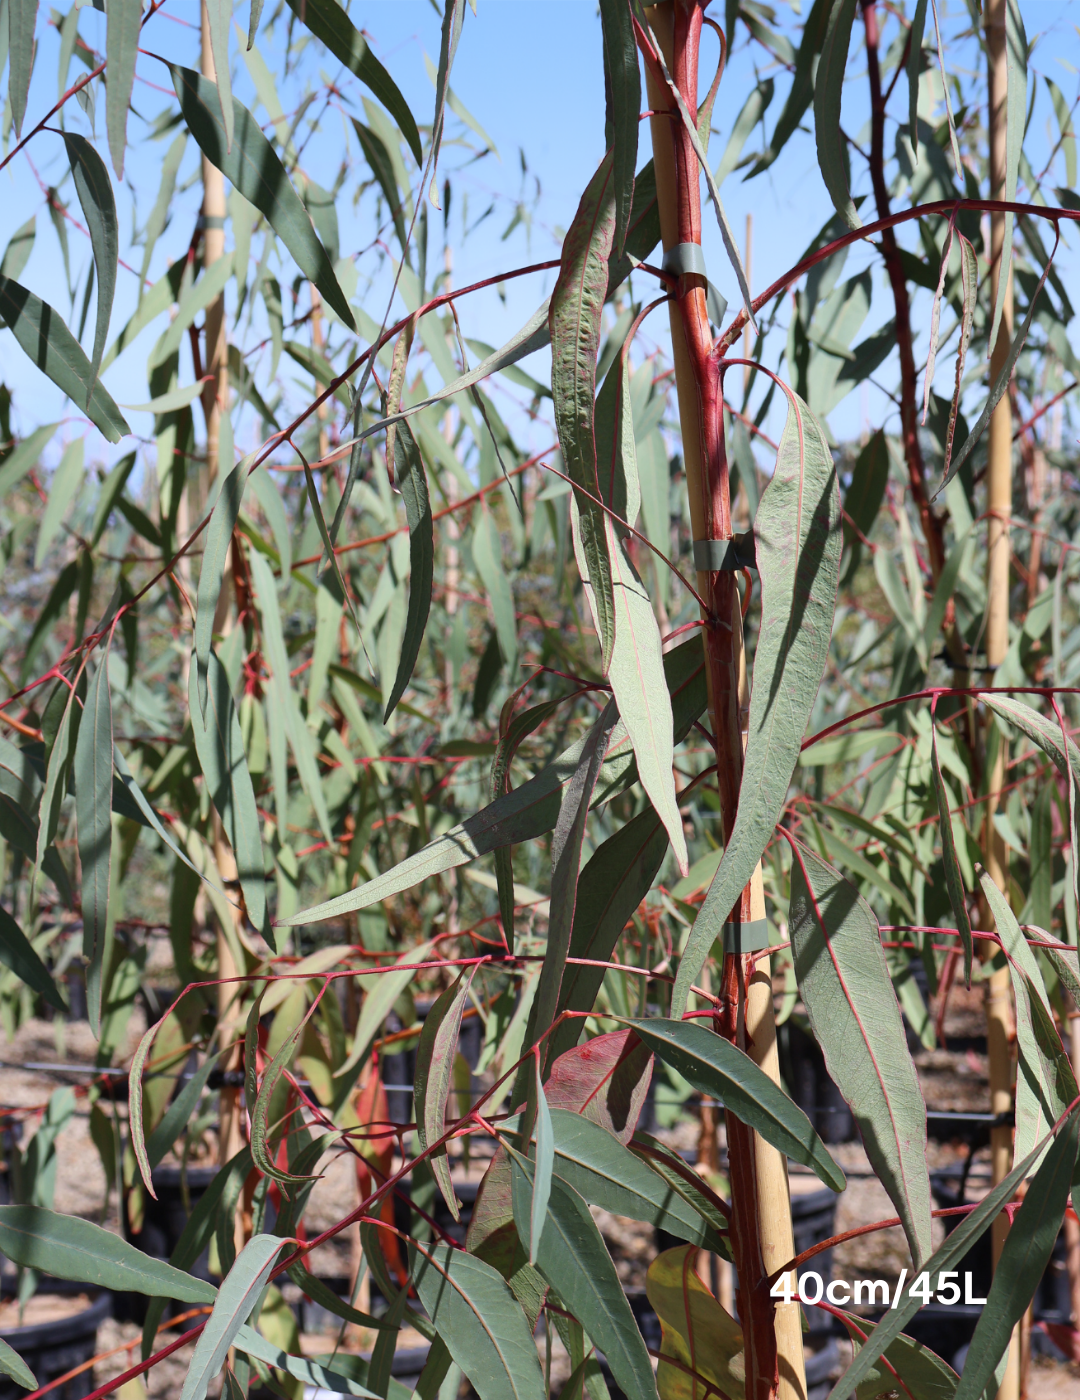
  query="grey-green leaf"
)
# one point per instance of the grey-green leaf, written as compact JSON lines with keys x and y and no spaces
{"x":621,"y":66}
{"x":329,"y":22}
{"x":18,"y":953}
{"x":93,"y":815}
{"x":99,"y":209}
{"x":21,"y":18}
{"x":12,"y":1364}
{"x":434,"y":1077}
{"x":954,"y":881}
{"x":255,"y":170}
{"x":121,"y":49}
{"x":71,"y":1248}
{"x":412,"y":483}
{"x":43,"y":336}
{"x":609,"y":1175}
{"x":238,"y":1294}
{"x":714,"y":1066}
{"x":828,"y":87}
{"x":220,"y":747}
{"x":215,"y":553}
{"x":573,"y":1258}
{"x":480,"y":1321}
{"x":849,"y":997}
{"x":798,"y":536}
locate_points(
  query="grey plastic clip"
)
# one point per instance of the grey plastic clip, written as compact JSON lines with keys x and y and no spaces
{"x":687,"y":258}
{"x":746,"y":938}
{"x":718,"y":556}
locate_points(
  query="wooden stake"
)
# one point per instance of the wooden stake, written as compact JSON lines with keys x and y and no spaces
{"x":215,"y":395}
{"x":761,"y":1204}
{"x":999,"y":1027}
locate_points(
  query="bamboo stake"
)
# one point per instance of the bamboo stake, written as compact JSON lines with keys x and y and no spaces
{"x":999,"y":1027}
{"x":215,"y":399}
{"x":764,"y":1220}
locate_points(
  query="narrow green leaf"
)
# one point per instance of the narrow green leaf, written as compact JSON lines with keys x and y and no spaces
{"x":925,"y":1375}
{"x":21,"y":244}
{"x":220,"y":747}
{"x":610,"y":888}
{"x":801,"y":92}
{"x":269,"y":498}
{"x":543,"y":1165}
{"x":574,"y":320}
{"x":287,"y":715}
{"x":71,"y":1248}
{"x":997,"y":389}
{"x":479,"y":1320}
{"x":1045,"y":1085}
{"x":111,"y":488}
{"x":434,"y":1076}
{"x":121,"y":50}
{"x":573,"y":1258}
{"x":621,"y":68}
{"x":238,"y":1294}
{"x":969,"y":282}
{"x":23,"y":456}
{"x":180,"y":1111}
{"x":849,"y":997}
{"x":565,"y":865}
{"x":314,"y":1375}
{"x":636,"y":664}
{"x":863,"y":498}
{"x":714,"y":1066}
{"x":753,"y":110}
{"x":93,"y":816}
{"x":18,"y":953}
{"x":914,"y":69}
{"x":798,"y":555}
{"x":12,"y":1364}
{"x":954,"y":881}
{"x":99,"y":209}
{"x":412,"y":483}
{"x":21,"y":18}
{"x":329,"y":22}
{"x":453,"y":19}
{"x":218,"y":13}
{"x":47,"y":341}
{"x":261,"y":1127}
{"x":197,"y":298}
{"x":255,"y":170}
{"x":320,"y":1292}
{"x":487,"y":556}
{"x":828,"y":90}
{"x":155,"y":224}
{"x":608,"y":1175}
{"x":66,"y":481}
{"x":532,"y":809}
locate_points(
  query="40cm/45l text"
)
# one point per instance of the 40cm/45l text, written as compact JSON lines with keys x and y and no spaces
{"x":875,"y":1291}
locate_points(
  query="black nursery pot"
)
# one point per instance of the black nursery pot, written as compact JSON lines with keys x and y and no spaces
{"x":51,"y":1349}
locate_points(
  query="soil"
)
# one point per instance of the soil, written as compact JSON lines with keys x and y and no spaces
{"x":952,"y":1079}
{"x":42,"y":1307}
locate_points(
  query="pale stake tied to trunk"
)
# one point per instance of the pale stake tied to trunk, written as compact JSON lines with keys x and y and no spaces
{"x":761,"y":1202}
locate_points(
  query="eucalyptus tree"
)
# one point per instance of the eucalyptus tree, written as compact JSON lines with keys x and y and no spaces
{"x":774,"y":732}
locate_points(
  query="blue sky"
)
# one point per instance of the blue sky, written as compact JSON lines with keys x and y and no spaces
{"x":530,"y":71}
